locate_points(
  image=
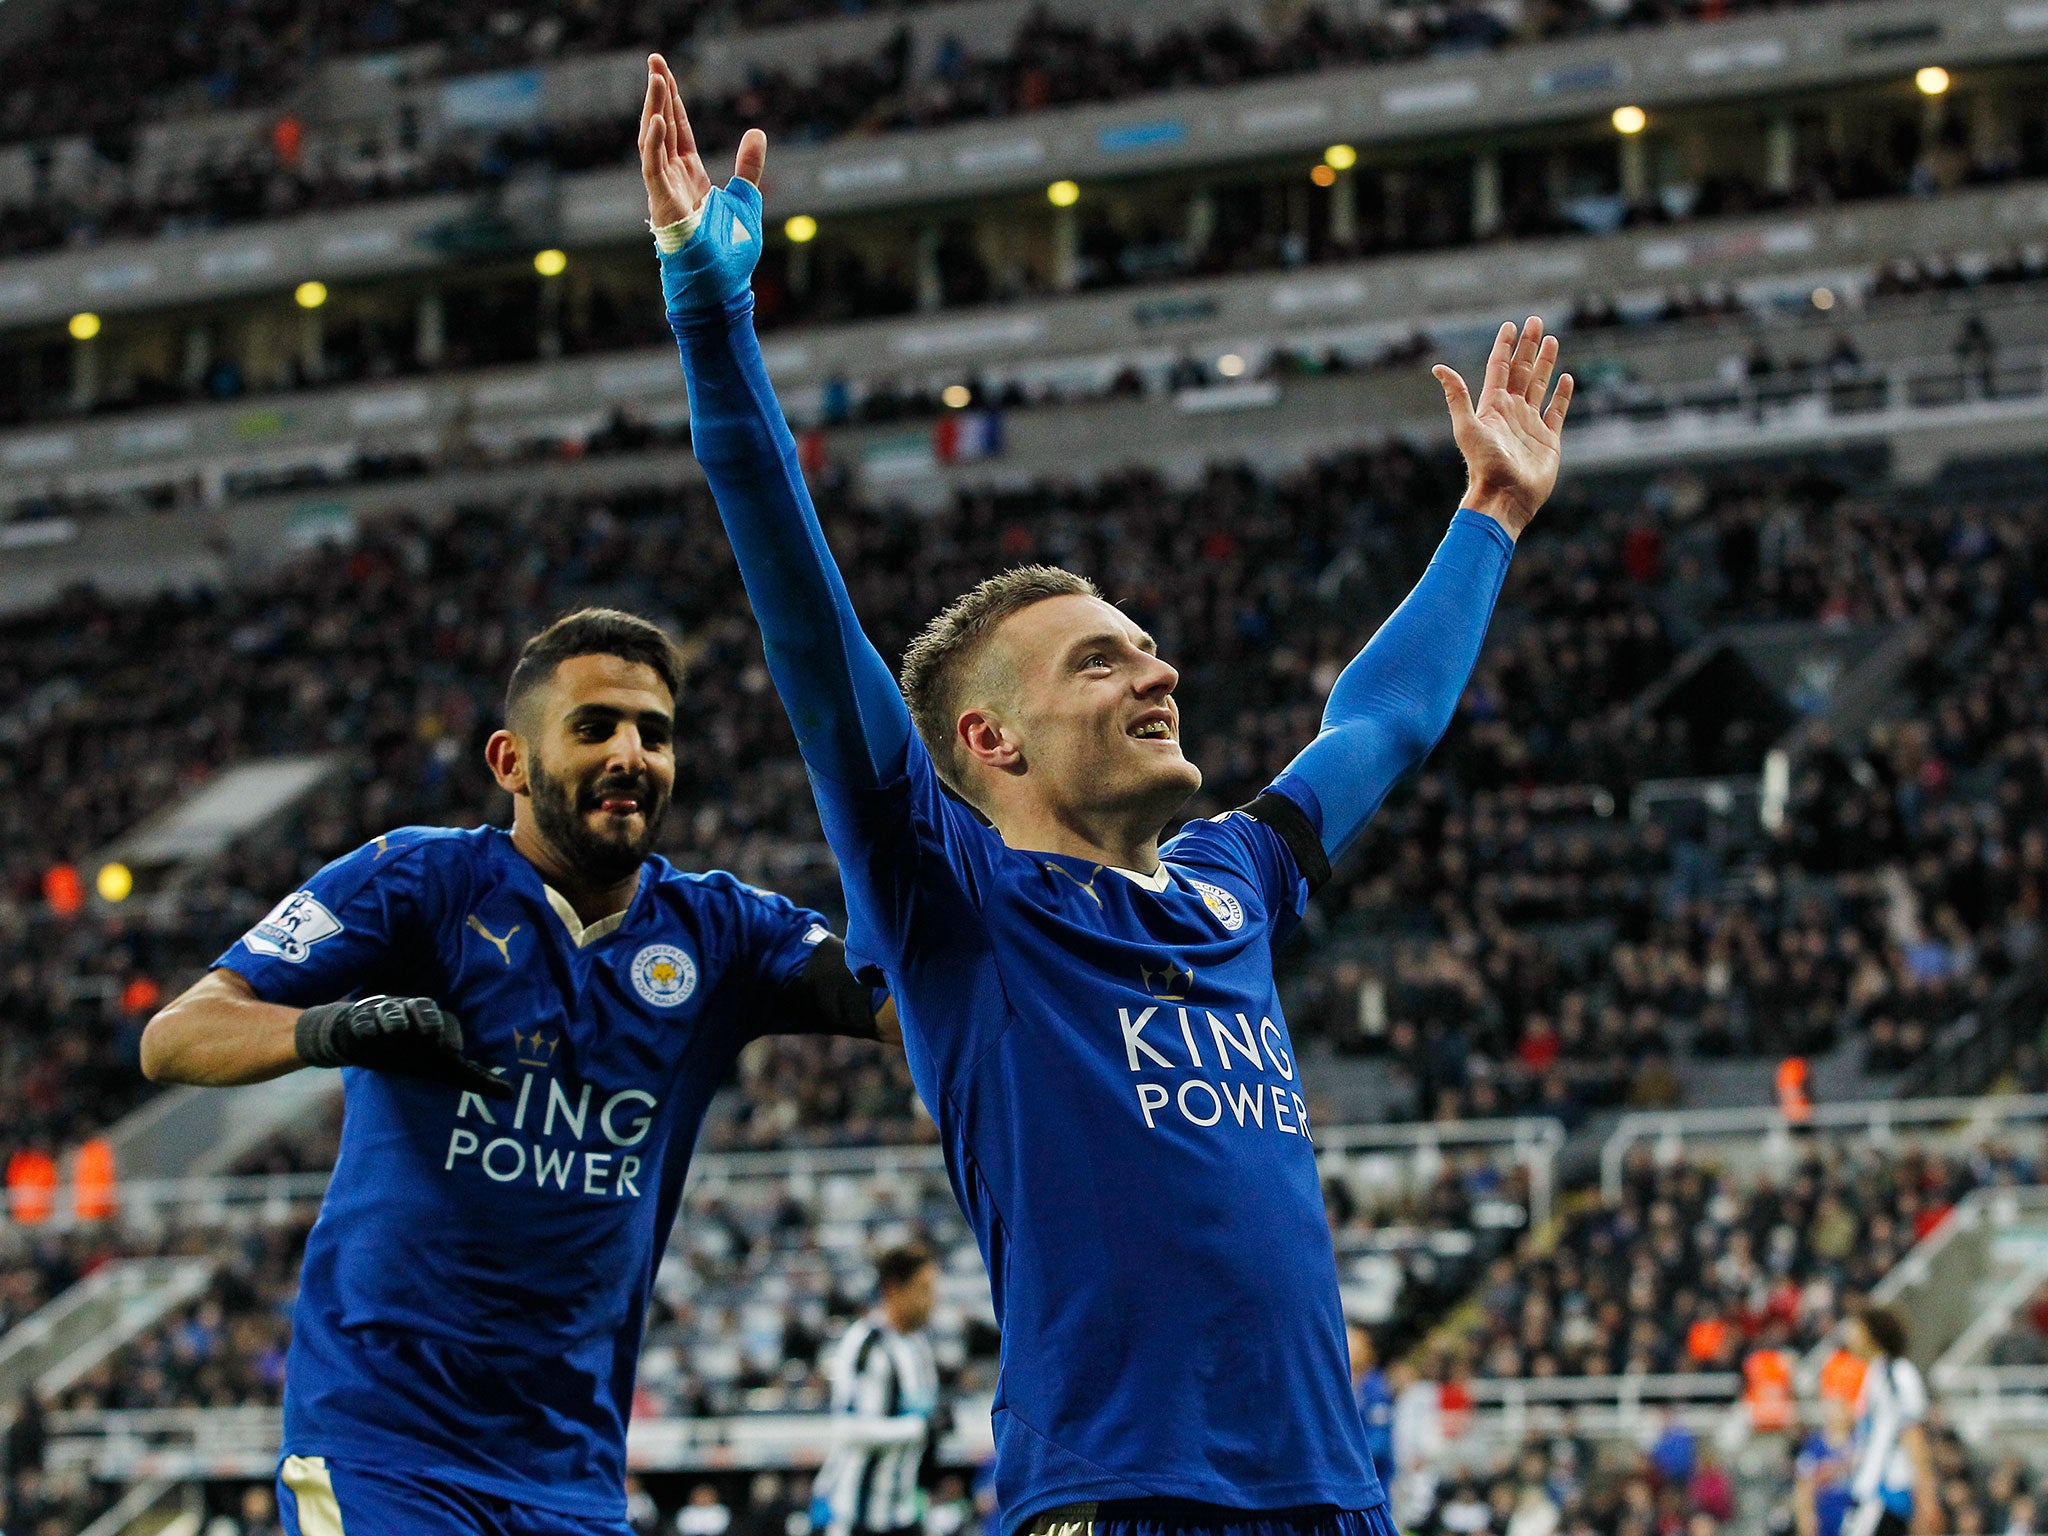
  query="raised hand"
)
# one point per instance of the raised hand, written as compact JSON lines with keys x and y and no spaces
{"x":677,"y":182}
{"x":1511,"y":443}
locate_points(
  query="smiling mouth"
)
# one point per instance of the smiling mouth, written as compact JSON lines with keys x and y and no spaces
{"x":1153,"y":730}
{"x":618,"y":802}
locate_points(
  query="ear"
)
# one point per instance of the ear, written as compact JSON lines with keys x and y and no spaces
{"x":985,"y":739}
{"x":507,"y":759}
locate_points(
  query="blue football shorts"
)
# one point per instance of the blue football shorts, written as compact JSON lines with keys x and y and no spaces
{"x":317,"y":1497}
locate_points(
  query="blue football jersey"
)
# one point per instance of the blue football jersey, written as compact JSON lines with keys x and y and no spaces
{"x":473,"y":1294}
{"x":1127,"y":1131}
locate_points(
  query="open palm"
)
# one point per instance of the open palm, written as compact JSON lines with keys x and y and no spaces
{"x":669,"y":162}
{"x":1511,"y":443}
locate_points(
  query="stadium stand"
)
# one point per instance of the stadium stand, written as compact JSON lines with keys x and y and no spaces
{"x":1471,"y":895}
{"x":1692,"y":1269}
{"x":1556,"y":1482}
{"x":1262,"y":232}
{"x":1779,"y":371}
{"x":241,"y":56}
{"x":771,"y":1261}
{"x":2025,"y":1339}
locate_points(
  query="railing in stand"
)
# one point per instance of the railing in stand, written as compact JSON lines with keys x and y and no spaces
{"x":1878,"y":1120}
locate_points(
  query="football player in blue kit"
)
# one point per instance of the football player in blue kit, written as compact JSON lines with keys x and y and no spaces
{"x":1092,"y":1017}
{"x":539,"y":1020}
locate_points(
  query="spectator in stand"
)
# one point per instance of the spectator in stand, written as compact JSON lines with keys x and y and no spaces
{"x":643,"y":1515}
{"x":703,"y":1513}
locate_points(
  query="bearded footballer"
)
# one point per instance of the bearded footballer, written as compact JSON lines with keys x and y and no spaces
{"x":539,"y":1020}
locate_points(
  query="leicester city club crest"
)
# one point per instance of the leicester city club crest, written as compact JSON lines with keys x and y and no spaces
{"x":1228,"y":910}
{"x":664,"y":975}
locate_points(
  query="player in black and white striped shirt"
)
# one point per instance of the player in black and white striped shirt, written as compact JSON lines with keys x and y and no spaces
{"x":885,"y":1387}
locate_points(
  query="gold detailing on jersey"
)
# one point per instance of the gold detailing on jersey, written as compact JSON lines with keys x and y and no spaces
{"x":313,"y":1486}
{"x":1087,"y":885}
{"x":504,"y":944}
{"x":1170,"y":983}
{"x":382,"y":843}
{"x":580,"y":934}
{"x":536,"y":1049}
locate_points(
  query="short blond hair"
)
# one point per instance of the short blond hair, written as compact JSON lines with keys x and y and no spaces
{"x":940,"y":661}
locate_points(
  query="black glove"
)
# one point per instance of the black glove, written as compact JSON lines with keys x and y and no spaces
{"x":409,"y":1036}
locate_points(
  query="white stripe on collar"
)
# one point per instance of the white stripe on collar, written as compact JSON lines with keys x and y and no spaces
{"x":1156,"y":881}
{"x":579,"y":935}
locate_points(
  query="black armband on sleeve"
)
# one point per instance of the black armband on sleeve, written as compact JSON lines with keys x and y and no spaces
{"x":827,"y":999}
{"x":1296,"y":831}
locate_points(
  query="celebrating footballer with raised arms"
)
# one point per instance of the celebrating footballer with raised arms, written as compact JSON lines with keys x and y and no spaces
{"x":553,"y":1008}
{"x":1092,"y":1017}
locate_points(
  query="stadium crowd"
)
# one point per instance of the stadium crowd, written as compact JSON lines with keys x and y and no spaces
{"x":1903,"y":881}
{"x":1678,"y":1483}
{"x":1694,"y":1268}
{"x":244,"y":53}
{"x":1049,"y":61}
{"x":1503,"y":932}
{"x":1554,"y":1484}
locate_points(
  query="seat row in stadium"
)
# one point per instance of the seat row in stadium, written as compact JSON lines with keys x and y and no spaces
{"x":616,"y":299}
{"x":1938,"y":326}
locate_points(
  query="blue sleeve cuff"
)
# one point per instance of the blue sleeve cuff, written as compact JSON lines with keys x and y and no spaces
{"x":1467,"y":518}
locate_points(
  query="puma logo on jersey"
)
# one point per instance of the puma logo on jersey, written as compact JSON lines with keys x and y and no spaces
{"x":1087,"y":885}
{"x":382,"y":843}
{"x":504,"y":944}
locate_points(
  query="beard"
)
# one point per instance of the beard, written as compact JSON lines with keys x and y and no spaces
{"x":602,"y":857}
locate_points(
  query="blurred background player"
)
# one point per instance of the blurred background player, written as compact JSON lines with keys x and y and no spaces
{"x":885,"y":1384}
{"x":1893,"y":1485}
{"x":471,"y":1302}
{"x":1823,"y":1466}
{"x":1174,"y":1348}
{"x":1375,"y":1402}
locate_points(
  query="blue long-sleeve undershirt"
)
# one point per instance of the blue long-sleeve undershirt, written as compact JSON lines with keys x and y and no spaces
{"x":1387,"y":709}
{"x":1396,"y":698}
{"x":850,"y":718}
